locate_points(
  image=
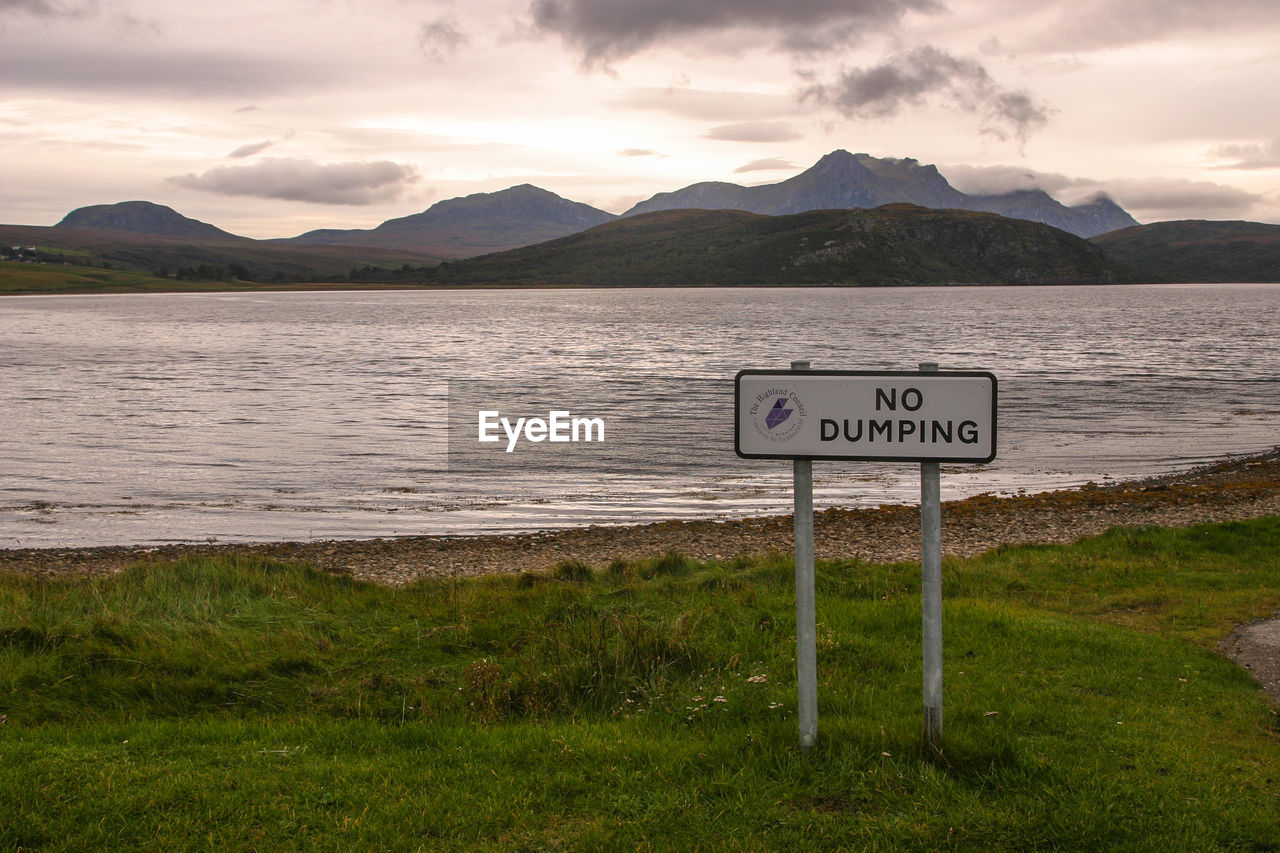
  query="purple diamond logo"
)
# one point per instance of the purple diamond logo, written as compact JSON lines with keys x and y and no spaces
{"x":778,"y":414}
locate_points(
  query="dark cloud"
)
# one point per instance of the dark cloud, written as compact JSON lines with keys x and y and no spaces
{"x":916,"y":76}
{"x":442,"y":37}
{"x":754,"y":131}
{"x":1260,"y":155}
{"x":766,"y":165}
{"x":251,"y":149}
{"x":304,"y":180}
{"x":607,"y":30}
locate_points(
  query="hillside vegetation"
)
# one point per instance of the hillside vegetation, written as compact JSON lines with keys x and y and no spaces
{"x":1198,"y":250}
{"x":897,"y":244}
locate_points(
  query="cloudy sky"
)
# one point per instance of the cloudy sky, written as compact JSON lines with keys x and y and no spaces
{"x":272,"y":117}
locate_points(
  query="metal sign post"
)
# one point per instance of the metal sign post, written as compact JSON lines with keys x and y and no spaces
{"x":806,"y":607}
{"x":931,"y":592}
{"x":929,"y":416}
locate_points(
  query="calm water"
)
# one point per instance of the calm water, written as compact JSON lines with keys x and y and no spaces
{"x":137,"y":419}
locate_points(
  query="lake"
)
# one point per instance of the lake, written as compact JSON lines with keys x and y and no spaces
{"x":319,"y":415}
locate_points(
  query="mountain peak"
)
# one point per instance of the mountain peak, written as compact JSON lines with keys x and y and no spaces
{"x":839,"y":162}
{"x":1100,"y":199}
{"x":475,"y":224}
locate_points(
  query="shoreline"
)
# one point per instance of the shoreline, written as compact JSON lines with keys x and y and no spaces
{"x":1232,"y":489}
{"x":228,"y":289}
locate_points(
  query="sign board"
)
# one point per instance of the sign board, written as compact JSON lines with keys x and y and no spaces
{"x":945,"y":416}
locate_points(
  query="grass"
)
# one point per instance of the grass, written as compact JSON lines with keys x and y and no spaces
{"x":18,"y":278}
{"x":245,"y":704}
{"x":23,"y":279}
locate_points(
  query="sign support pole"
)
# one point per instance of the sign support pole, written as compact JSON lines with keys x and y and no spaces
{"x":927,"y":416}
{"x":806,"y":618}
{"x":931,"y":592}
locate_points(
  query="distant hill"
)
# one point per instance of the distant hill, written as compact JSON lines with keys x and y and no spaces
{"x":898,"y":244}
{"x":142,"y":217}
{"x":841,"y":180}
{"x":237,"y":258}
{"x":1199,"y":250}
{"x":473,"y":225}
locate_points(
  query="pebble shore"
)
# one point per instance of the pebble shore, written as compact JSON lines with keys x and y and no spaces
{"x":1235,"y":489}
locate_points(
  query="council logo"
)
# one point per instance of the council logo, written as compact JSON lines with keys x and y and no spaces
{"x":777,"y":415}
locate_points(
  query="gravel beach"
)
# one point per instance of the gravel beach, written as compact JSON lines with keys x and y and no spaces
{"x":1234,"y":489}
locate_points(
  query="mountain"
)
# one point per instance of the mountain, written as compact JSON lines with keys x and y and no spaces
{"x":841,"y":180}
{"x":1086,"y":220}
{"x":899,"y":244}
{"x":1199,"y":250}
{"x":142,"y":217}
{"x":838,"y":181}
{"x":473,"y":225}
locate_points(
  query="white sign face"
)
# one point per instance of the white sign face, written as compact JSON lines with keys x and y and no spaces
{"x":948,"y":416}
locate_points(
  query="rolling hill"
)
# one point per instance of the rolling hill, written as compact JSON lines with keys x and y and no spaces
{"x":898,"y":244}
{"x":1199,"y":250}
{"x":472,"y":225}
{"x":142,"y":217}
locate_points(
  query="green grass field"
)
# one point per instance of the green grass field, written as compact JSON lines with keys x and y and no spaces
{"x":248,"y":705}
{"x":21,"y":279}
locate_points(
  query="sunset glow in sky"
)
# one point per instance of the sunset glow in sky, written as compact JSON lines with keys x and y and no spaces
{"x":273,"y":117}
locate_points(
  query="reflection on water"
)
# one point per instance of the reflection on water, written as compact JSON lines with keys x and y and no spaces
{"x":321,"y":415}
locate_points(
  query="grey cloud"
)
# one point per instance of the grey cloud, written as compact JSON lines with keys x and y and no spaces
{"x":606,"y":30}
{"x":768,"y":164}
{"x":913,"y":77}
{"x":48,"y":9}
{"x":996,"y":180}
{"x":1148,"y":199}
{"x":1261,"y":155}
{"x":251,"y":149}
{"x":754,"y":131}
{"x":304,"y":180}
{"x":184,"y":74}
{"x":70,"y":10}
{"x":1179,"y":198}
{"x":1092,"y":24}
{"x":442,"y":37}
